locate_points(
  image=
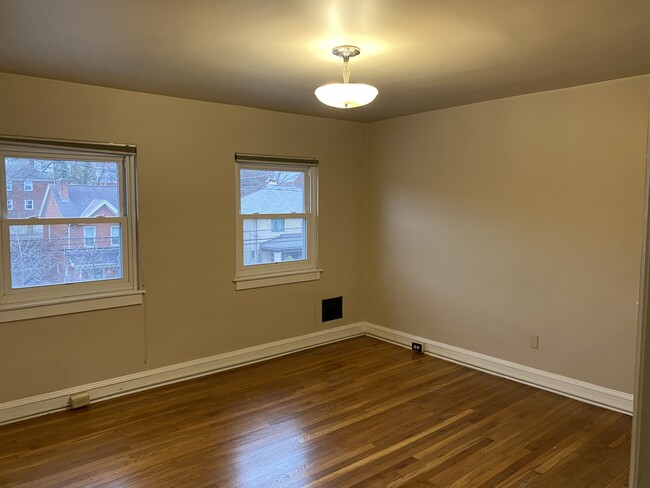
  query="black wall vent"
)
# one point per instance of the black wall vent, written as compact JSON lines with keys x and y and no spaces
{"x":332,"y":309}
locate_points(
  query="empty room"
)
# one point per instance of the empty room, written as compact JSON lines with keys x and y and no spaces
{"x":317,"y":243}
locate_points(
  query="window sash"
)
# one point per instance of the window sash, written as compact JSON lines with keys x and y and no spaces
{"x":123,"y":183}
{"x":307,"y":172}
{"x":12,"y":295}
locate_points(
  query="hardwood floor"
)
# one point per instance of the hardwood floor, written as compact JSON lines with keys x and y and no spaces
{"x":355,"y":413}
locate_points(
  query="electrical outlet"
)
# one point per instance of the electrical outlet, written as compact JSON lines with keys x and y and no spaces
{"x":79,"y":400}
{"x":534,"y":342}
{"x":417,"y":347}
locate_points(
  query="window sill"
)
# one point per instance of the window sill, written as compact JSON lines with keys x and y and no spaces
{"x":260,"y":281}
{"x":62,"y":306}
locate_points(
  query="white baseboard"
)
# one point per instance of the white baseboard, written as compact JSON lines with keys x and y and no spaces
{"x":562,"y":385}
{"x":103,"y":390}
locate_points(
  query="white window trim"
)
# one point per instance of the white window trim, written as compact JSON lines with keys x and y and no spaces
{"x":9,"y":186}
{"x":10,"y":204}
{"x":31,"y":185}
{"x":262,"y":280}
{"x":281,"y":273}
{"x":31,"y":203}
{"x":67,"y":305}
{"x":22,"y":304}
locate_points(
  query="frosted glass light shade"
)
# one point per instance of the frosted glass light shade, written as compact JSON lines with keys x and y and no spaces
{"x":346,"y":95}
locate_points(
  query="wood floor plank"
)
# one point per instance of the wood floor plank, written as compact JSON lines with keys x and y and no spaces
{"x":359,"y":412}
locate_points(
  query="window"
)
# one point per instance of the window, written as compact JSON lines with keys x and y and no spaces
{"x":115,"y":235}
{"x":90,"y":232}
{"x":9,"y":186}
{"x":277,"y":201}
{"x":76,"y":249}
{"x":277,"y":225}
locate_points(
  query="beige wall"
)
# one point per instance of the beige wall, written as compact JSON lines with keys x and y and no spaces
{"x":484,"y":224}
{"x":187,"y":224}
{"x":492,"y":222}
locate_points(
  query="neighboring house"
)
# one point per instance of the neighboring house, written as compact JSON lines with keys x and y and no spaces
{"x":26,"y":185}
{"x":285,"y":247}
{"x":24,"y":197}
{"x":270,"y":240}
{"x":66,"y":253}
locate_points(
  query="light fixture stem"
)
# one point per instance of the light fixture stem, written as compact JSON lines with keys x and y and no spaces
{"x":346,"y":71}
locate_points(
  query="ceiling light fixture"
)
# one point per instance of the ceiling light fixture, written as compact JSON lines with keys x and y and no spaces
{"x":346,"y":95}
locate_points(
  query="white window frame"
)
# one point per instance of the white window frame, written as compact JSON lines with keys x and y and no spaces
{"x":28,"y":185}
{"x":279,"y":273}
{"x":29,"y":204}
{"x":43,"y":301}
{"x":10,"y":204}
{"x":9,"y":186}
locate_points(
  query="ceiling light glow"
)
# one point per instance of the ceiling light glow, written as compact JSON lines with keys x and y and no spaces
{"x":346,"y":95}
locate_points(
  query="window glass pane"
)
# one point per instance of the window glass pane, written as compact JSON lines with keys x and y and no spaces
{"x":262,"y":245}
{"x":44,"y":255}
{"x":62,"y":189}
{"x":271,"y":192}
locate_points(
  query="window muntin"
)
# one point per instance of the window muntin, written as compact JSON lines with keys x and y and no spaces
{"x":10,"y":204}
{"x":29,"y":204}
{"x":47,"y":253}
{"x":276,"y":218}
{"x":28,"y":185}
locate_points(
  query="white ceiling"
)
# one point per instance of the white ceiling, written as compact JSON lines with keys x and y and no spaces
{"x":420,"y":54}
